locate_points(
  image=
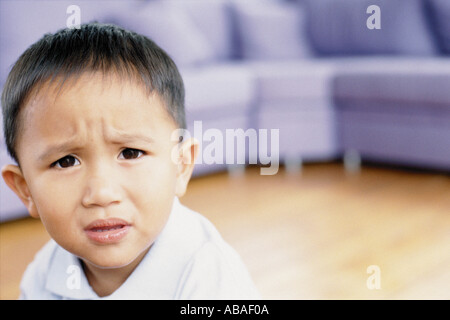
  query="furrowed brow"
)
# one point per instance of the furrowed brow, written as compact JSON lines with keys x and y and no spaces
{"x":56,"y":149}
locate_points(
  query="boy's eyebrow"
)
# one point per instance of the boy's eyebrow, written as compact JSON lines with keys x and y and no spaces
{"x":57,"y":148}
{"x":120,"y":138}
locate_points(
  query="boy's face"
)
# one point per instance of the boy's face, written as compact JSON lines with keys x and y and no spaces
{"x":97,"y":168}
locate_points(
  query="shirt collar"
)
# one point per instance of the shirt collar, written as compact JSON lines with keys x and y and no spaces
{"x":66,"y":277}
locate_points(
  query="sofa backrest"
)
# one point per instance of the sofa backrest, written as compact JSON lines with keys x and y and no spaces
{"x":340,"y":27}
{"x":270,"y":30}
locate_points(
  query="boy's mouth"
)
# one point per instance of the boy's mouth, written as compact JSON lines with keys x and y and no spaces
{"x":107,"y":231}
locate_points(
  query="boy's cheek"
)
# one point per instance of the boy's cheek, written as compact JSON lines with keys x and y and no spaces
{"x":61,"y":224}
{"x":52,"y":202}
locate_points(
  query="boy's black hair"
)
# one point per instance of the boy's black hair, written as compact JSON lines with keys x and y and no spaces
{"x":92,"y":47}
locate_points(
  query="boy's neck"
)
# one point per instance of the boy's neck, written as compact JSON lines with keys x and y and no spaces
{"x":104,"y":281}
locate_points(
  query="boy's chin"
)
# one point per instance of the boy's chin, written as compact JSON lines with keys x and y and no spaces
{"x":107,"y":264}
{"x":113,"y":260}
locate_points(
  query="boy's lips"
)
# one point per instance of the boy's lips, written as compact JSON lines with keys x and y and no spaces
{"x":106,"y":231}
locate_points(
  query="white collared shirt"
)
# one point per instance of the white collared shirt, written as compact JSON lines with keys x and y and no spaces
{"x":189,"y":260}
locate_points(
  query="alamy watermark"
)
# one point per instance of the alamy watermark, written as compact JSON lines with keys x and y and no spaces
{"x":374,"y":280}
{"x":233,"y":146}
{"x":374,"y":21}
{"x":73,"y":21}
{"x":73,"y":281}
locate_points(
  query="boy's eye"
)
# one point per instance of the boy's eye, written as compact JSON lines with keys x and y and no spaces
{"x":130,"y":154}
{"x":66,"y":162}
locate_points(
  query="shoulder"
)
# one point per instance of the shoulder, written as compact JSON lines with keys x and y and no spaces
{"x":192,"y":227}
{"x":34,"y":279}
{"x":216,"y":272}
{"x":214,"y":269}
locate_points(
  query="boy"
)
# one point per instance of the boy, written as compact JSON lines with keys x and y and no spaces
{"x":89,"y":116}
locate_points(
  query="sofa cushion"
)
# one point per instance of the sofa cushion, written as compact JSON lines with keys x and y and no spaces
{"x":422,"y":82}
{"x":307,"y":130}
{"x":403,"y":138}
{"x":440,"y":18}
{"x":204,"y":163}
{"x":293,"y":80}
{"x":218,"y":91}
{"x":171,"y":28}
{"x":213,"y":20}
{"x":271,"y":30}
{"x":339,"y":28}
{"x":396,"y":111}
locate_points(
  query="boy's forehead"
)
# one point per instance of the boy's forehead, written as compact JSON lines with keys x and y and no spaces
{"x":92,"y":98}
{"x":90,"y":91}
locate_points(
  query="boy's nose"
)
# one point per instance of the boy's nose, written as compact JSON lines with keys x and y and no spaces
{"x":101,"y":190}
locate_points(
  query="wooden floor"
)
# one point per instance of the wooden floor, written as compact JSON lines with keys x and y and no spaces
{"x":311,"y":235}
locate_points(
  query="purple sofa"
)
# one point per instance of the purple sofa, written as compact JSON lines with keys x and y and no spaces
{"x":310,"y":68}
{"x":399,"y":114}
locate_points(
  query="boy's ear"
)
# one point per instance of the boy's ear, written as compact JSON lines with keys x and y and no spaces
{"x":15,"y":180}
{"x":185,"y":165}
